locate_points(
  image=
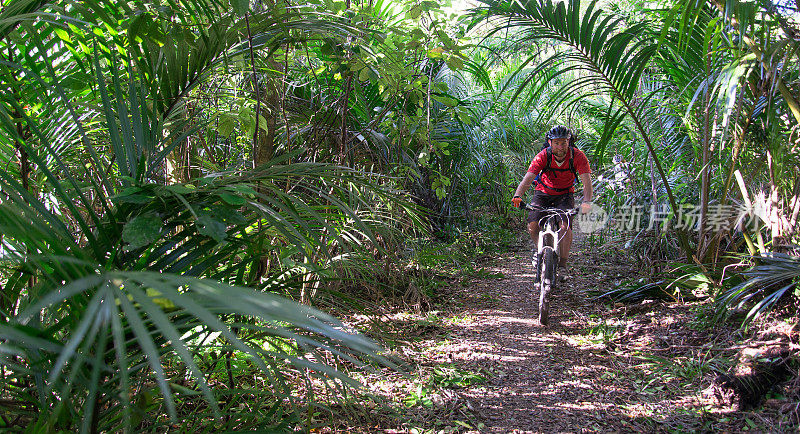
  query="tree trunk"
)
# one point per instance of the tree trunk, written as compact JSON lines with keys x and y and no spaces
{"x":794,"y":206}
{"x":179,"y":160}
{"x":653,"y":185}
{"x":775,"y":220}
{"x":713,"y":249}
{"x":706,"y":146}
{"x":343,"y":136}
{"x":348,"y":84}
{"x":24,"y":167}
{"x":263,"y":142}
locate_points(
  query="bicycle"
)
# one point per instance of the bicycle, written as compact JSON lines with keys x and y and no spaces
{"x":546,"y":257}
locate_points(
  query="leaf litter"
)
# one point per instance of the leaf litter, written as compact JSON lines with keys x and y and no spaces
{"x":484,"y":364}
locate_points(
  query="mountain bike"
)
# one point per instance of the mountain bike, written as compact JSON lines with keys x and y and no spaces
{"x":545,"y":257}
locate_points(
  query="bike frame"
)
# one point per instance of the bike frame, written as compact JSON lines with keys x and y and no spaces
{"x":547,"y":254}
{"x":548,"y":235}
{"x":549,"y":227}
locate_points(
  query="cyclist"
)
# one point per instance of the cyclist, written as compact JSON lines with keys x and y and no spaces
{"x":556,"y":169}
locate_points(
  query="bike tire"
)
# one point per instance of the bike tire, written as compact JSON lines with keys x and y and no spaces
{"x":547,"y":283}
{"x":536,"y":261}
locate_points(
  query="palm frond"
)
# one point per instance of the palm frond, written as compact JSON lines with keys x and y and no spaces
{"x":768,"y":282}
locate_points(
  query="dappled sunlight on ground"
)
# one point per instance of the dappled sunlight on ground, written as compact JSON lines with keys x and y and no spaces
{"x":597,"y":367}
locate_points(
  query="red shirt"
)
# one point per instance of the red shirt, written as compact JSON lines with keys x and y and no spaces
{"x":555,"y":178}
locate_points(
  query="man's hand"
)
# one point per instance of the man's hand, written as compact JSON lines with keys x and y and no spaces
{"x":586,"y":207}
{"x":516,"y":201}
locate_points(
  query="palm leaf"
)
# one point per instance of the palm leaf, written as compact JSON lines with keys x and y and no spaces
{"x":150,"y":303}
{"x":768,"y":282}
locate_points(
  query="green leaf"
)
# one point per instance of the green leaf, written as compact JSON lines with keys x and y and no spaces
{"x":211,"y":227}
{"x":242,"y":188}
{"x":180,"y":188}
{"x":137,"y":26}
{"x":76,"y":81}
{"x":227,"y":123}
{"x":446,"y":100}
{"x":162,"y":302}
{"x":465,"y":425}
{"x":247,"y":118}
{"x":232,"y":199}
{"x":326,"y":49}
{"x":454,"y":63}
{"x":228,"y":215}
{"x":184,"y":390}
{"x":240,"y":7}
{"x":423,"y":158}
{"x":262,"y":123}
{"x":133,"y":198}
{"x":363,"y":75}
{"x":62,"y":34}
{"x":142,"y":230}
{"x":436,"y":53}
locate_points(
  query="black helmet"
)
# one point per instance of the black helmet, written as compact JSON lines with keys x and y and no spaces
{"x":559,"y":132}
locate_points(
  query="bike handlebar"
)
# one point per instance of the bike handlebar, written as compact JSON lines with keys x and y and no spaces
{"x":548,"y":213}
{"x":528,"y":207}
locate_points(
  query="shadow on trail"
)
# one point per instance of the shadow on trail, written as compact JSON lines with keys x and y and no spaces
{"x":560,"y":377}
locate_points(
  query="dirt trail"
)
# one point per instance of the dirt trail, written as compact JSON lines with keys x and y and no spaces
{"x":568,"y":376}
{"x":646,"y":367}
{"x":543,"y":380}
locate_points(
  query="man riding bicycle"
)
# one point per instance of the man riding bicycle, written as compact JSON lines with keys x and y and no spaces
{"x":556,"y":169}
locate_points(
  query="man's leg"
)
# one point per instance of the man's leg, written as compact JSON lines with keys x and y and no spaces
{"x":566,"y":244}
{"x":567,"y":203}
{"x":533,"y":230}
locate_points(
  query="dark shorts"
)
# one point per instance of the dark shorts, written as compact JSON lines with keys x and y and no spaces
{"x":543,"y":200}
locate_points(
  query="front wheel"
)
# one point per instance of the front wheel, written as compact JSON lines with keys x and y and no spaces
{"x":547,"y":282}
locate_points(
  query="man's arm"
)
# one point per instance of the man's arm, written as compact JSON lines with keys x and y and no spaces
{"x":586,"y":180}
{"x":525,"y":183}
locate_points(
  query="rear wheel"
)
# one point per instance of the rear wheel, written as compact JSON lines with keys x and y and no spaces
{"x":547,"y":282}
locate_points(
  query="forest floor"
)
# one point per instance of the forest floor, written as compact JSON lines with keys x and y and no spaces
{"x":481,"y":362}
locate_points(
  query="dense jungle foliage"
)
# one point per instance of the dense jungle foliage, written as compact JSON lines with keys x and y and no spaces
{"x":192,"y":191}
